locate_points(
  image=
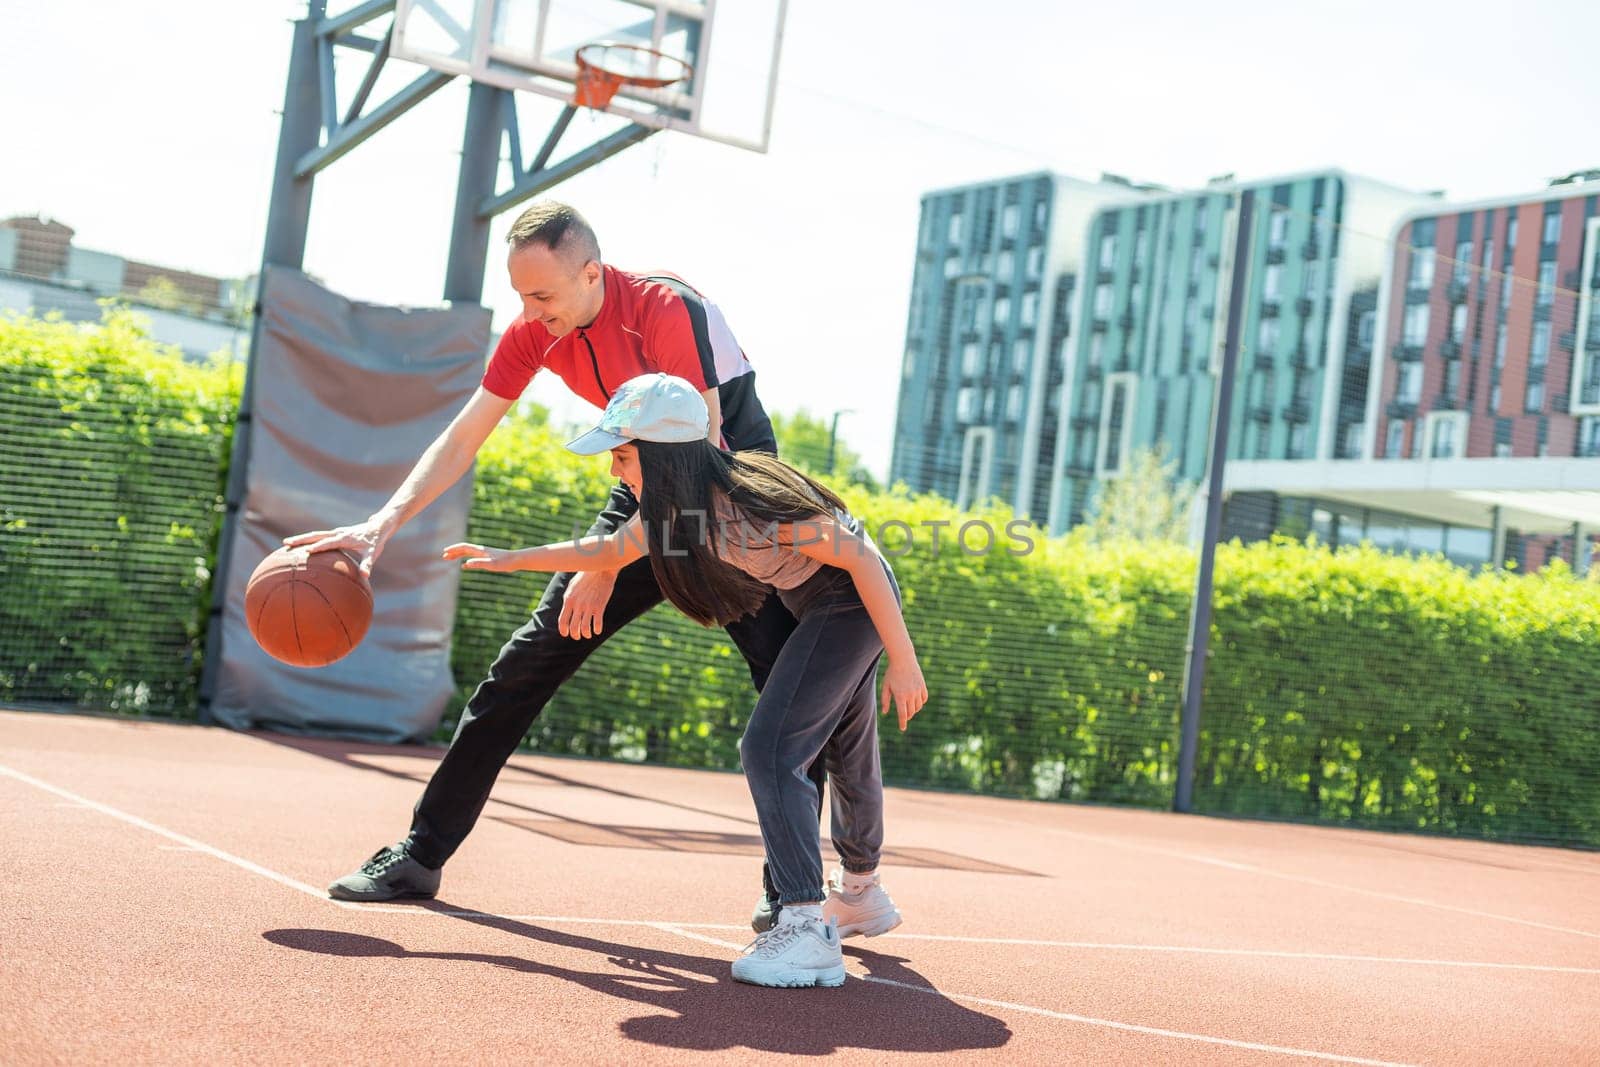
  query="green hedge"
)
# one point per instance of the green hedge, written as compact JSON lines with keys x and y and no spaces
{"x":111,"y":469}
{"x":1352,"y":686}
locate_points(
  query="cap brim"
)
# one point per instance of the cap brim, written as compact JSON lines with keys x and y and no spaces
{"x":595,"y":442}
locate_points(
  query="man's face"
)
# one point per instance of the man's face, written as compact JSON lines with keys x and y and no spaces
{"x":555,"y":291}
{"x":625,"y":467}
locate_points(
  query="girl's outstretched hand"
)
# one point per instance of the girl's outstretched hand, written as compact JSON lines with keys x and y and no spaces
{"x":481,"y":558}
{"x":903,"y":682}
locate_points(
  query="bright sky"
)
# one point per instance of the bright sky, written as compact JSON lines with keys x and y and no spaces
{"x":151,"y":129}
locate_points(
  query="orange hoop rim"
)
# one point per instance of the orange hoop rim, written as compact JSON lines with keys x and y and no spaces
{"x":596,"y":85}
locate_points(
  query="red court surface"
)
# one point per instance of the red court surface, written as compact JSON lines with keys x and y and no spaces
{"x":162,"y":902}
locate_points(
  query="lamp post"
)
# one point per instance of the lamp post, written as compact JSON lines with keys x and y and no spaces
{"x":833,"y":435}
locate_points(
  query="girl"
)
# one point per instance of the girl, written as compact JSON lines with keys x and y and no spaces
{"x":719,"y":528}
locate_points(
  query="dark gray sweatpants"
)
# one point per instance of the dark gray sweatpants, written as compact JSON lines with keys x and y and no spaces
{"x":820,"y":699}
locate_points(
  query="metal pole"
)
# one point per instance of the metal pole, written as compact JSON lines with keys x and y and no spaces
{"x":480,"y":158}
{"x":1200,"y":617}
{"x":833,"y":435}
{"x":288,"y":219}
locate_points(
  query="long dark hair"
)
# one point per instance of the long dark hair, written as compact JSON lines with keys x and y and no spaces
{"x":680,"y":484}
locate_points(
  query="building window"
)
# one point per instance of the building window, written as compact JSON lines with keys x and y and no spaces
{"x":1102,"y":301}
{"x":1352,"y":440}
{"x":1297,"y":440}
{"x":1552,"y":228}
{"x":1408,"y":388}
{"x":1030,"y":308}
{"x":1500,"y":347}
{"x":1539,"y":346}
{"x":955,"y":228}
{"x":1097,"y":349}
{"x":1311,"y":286}
{"x":1505,"y":288}
{"x":1116,"y":422}
{"x":1035,"y":261}
{"x":1041,"y":211}
{"x":1014,"y":403}
{"x":1452,"y":377}
{"x":1416,"y":325}
{"x":1547,"y":284}
{"x":1002,"y":310}
{"x":1494,"y":397}
{"x":967,"y":404}
{"x":1267,"y":337}
{"x":1463,"y":264}
{"x":1421,"y":275}
{"x":1511,"y":234}
{"x":1010,"y":217}
{"x":1277,"y":228}
{"x":1446,"y":433}
{"x":909,"y":367}
{"x":1021,"y":351}
{"x":1458,"y":323}
{"x":1108,"y":251}
{"x":971,"y":359}
{"x":1271,"y":281}
{"x":1534,"y":400}
{"x":1589,"y":436}
{"x":977,"y":457}
{"x":1394,"y":443}
{"x":1366,"y":326}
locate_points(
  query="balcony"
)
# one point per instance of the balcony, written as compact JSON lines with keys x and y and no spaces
{"x":1567,"y":341}
{"x":1269,"y":307}
{"x":1259,"y":412}
{"x":1105,"y":277}
{"x":1447,"y":402}
{"x":1080,"y":468}
{"x":1275,"y":254}
{"x":1125,"y":320}
{"x":1401,"y":409}
{"x":1081,"y":420}
{"x":1456,"y":291}
{"x":1099,"y":325}
{"x":1301,"y":359}
{"x":1305,"y":306}
{"x":1450,"y":349}
{"x":1404,"y":353}
{"x":1297,"y":411}
{"x":1310,"y":249}
{"x":1093,"y":372}
{"x":1264,"y":360}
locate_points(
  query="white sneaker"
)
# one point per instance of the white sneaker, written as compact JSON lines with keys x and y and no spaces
{"x":795,"y":952}
{"x":867,"y":912}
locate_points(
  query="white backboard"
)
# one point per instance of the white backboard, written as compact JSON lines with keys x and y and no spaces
{"x":529,"y":45}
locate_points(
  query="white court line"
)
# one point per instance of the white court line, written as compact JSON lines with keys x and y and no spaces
{"x":191,"y":844}
{"x":1087,"y":1020}
{"x":1305,"y":880}
{"x":188,"y":842}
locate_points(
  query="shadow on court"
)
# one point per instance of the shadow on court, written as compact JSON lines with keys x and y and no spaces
{"x":699,"y":1006}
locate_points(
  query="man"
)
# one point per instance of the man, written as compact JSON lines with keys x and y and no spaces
{"x":595,"y":327}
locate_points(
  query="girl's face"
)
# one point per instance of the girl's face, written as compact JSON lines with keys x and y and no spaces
{"x":625,"y":465}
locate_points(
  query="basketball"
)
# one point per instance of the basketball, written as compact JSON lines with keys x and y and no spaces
{"x":308,"y":609}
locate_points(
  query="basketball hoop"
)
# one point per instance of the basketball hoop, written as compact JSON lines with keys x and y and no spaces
{"x":606,"y":67}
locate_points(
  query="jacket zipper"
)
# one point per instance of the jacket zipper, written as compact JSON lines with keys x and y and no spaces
{"x":595,"y":363}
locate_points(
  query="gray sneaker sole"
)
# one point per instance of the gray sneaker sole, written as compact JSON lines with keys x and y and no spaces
{"x":339,"y":892}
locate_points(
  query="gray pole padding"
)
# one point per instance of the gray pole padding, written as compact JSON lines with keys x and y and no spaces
{"x":347,"y":397}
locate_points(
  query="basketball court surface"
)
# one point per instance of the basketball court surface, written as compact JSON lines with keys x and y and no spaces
{"x":164,"y":904}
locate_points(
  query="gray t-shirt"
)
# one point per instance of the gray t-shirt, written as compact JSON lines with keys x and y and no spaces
{"x":752,"y":546}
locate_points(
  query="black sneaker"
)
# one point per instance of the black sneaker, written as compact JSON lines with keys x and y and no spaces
{"x":391,"y":873}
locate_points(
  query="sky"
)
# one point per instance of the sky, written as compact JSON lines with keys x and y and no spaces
{"x":151,"y":130}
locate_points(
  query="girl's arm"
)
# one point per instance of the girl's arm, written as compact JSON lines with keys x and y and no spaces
{"x":614,"y":550}
{"x":825,"y":540}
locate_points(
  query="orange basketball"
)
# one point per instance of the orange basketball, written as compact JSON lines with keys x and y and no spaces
{"x":308,"y":609}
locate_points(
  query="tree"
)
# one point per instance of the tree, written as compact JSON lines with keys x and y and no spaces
{"x":164,"y":293}
{"x":1145,"y":502}
{"x":803,"y":441}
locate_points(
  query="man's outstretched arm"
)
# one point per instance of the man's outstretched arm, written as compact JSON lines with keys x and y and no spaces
{"x":441,"y":466}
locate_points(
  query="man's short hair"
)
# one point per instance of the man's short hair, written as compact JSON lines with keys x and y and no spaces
{"x":557,"y":227}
